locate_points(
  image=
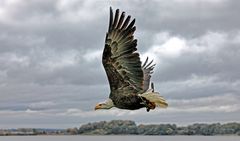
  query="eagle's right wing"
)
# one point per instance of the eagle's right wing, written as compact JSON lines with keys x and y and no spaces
{"x":147,"y":71}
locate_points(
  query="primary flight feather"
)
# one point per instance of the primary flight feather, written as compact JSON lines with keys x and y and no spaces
{"x":128,"y":79}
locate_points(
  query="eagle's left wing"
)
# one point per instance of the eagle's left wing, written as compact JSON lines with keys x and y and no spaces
{"x":120,"y":59}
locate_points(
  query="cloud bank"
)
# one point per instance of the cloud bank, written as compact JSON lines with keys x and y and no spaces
{"x":51,"y":73}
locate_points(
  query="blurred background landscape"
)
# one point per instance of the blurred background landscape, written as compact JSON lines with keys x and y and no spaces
{"x":127,"y":127}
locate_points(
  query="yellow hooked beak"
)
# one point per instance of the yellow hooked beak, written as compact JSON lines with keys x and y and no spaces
{"x":98,"y":106}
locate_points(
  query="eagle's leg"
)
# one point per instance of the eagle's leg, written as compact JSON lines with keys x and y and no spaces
{"x":148,"y":104}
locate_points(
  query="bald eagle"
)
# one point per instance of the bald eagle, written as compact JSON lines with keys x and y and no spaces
{"x":129,"y":80}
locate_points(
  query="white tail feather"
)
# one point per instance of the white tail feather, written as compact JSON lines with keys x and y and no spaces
{"x":155,"y":97}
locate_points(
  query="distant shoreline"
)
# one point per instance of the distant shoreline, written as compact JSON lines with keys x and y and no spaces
{"x":127,"y":127}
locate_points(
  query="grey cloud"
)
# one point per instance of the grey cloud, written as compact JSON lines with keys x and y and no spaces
{"x":204,"y":66}
{"x":190,"y":18}
{"x":213,"y":54}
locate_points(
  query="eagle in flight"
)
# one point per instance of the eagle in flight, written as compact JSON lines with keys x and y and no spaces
{"x":129,"y":80}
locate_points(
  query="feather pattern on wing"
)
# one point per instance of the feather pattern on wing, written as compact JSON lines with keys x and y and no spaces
{"x":120,"y":59}
{"x":147,"y":68}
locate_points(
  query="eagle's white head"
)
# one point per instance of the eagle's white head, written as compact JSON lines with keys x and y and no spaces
{"x":105,"y":105}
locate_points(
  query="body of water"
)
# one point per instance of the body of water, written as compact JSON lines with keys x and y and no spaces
{"x":120,"y":138}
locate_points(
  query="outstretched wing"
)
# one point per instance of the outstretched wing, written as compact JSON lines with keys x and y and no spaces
{"x":122,"y":64}
{"x":147,"y":71}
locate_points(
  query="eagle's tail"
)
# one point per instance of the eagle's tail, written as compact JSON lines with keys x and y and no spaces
{"x":155,"y":97}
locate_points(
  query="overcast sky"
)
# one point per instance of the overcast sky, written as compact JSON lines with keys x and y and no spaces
{"x":50,"y":60}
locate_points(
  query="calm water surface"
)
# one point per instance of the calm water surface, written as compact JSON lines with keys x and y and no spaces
{"x":120,"y":138}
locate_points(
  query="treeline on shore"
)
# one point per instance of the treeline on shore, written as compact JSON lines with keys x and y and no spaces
{"x":127,"y":127}
{"x":122,"y":127}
